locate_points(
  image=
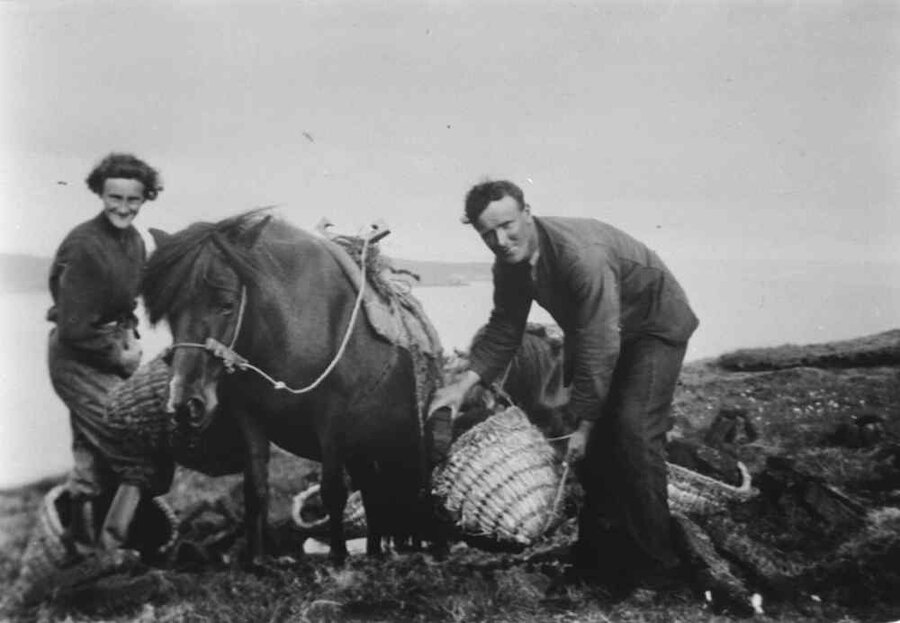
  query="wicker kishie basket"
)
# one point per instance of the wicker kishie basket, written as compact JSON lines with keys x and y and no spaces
{"x":152,"y":441}
{"x":502,"y":481}
{"x":50,"y":552}
{"x":142,"y":398}
{"x":308,"y":514}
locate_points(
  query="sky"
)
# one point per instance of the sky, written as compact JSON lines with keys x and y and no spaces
{"x":709,"y":130}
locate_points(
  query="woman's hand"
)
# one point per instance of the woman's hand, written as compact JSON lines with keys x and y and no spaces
{"x":127,"y":351}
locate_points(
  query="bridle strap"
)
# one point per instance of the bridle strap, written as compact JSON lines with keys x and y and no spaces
{"x":226,"y":353}
{"x":240,"y":319}
{"x":233,"y":361}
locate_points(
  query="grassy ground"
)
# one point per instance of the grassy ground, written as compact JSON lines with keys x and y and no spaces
{"x":795,"y":410}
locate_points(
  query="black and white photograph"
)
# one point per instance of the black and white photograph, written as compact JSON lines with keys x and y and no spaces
{"x":503,"y":311}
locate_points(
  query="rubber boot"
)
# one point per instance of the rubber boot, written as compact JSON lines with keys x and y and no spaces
{"x":116,"y":525}
{"x":82,"y":528}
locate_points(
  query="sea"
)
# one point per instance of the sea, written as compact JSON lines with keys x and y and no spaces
{"x":740,"y":305}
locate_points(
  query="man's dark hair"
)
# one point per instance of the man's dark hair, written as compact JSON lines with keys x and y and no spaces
{"x":484,"y":193}
{"x":128,"y":167}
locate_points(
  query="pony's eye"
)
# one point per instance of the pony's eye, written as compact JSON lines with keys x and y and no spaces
{"x":226,"y":309}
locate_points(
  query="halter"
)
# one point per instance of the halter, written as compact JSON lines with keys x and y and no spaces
{"x":233,"y":361}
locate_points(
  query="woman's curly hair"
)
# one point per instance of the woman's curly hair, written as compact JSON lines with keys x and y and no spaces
{"x":125,"y":166}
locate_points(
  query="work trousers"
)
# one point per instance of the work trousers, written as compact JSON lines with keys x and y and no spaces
{"x":624,"y":525}
{"x":84,"y":390}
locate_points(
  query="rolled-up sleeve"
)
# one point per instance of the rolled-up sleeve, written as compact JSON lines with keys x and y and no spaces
{"x":595,"y":340}
{"x":497,"y":343}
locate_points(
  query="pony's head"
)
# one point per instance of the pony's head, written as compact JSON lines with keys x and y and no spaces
{"x":197,"y":281}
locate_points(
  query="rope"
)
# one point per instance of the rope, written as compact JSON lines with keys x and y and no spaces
{"x":554,"y":510}
{"x":233,"y":360}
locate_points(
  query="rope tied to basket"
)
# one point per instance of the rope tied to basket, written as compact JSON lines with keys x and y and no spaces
{"x":512,"y":497}
{"x":502,"y":481}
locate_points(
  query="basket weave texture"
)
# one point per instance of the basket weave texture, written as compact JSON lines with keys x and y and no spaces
{"x":140,"y":402}
{"x":137,"y":429}
{"x":147,"y":442}
{"x":50,"y":552}
{"x":694,"y":493}
{"x":47,"y":550}
{"x":501,"y":481}
{"x":355,"y":524}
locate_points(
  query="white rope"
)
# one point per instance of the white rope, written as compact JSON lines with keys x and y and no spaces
{"x":233,"y":360}
{"x":554,"y":510}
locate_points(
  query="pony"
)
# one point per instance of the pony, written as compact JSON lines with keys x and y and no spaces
{"x":299,"y":369}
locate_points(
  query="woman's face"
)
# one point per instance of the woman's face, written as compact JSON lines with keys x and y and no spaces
{"x":122,"y":200}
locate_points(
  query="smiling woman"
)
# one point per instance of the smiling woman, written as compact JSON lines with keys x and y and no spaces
{"x":94,"y":281}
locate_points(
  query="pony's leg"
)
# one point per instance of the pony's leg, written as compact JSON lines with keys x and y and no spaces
{"x":368,"y":481}
{"x":256,"y":490}
{"x":334,"y":497}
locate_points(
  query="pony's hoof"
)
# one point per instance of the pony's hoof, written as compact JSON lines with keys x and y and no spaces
{"x":374,"y":548}
{"x":338,"y":559}
{"x":439,"y":550}
{"x":407,"y":545}
{"x":263,"y":567}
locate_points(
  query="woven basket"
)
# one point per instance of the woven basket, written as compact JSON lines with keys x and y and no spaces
{"x":142,"y":397}
{"x":694,"y":493}
{"x":502,"y":481}
{"x":50,"y":550}
{"x":47,"y":552}
{"x":138,"y":406}
{"x":355,"y":525}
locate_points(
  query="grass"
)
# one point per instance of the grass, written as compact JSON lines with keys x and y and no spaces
{"x":794,"y":409}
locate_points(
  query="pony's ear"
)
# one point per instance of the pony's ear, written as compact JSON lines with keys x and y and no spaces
{"x":159,"y":236}
{"x":249,"y":236}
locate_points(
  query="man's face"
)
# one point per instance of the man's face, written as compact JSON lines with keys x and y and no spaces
{"x":508,"y":230}
{"x":122,"y":200}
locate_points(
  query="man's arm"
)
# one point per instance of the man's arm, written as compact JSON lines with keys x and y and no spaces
{"x":495,"y":347}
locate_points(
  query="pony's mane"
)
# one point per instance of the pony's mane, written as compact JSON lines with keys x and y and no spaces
{"x":190,"y":259}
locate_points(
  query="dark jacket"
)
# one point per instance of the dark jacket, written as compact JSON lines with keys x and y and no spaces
{"x":601,"y":286}
{"x":94,"y":281}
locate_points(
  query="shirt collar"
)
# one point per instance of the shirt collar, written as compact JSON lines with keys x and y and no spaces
{"x":533,"y":261}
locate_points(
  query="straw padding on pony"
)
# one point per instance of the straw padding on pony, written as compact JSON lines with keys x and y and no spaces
{"x":501,"y":480}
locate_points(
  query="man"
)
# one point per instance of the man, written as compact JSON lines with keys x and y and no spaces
{"x":94,"y":281}
{"x":627,"y":323}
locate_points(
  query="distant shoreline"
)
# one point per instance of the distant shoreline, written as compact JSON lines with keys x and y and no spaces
{"x":869,"y":351}
{"x":21,"y":273}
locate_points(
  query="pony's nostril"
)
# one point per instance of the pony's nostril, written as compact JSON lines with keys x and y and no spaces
{"x":191,"y":412}
{"x":195,"y":410}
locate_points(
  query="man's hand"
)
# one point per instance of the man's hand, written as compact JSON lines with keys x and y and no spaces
{"x":578,"y":442}
{"x":453,"y":395}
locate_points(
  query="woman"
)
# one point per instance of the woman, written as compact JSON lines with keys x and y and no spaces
{"x":94,"y":282}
